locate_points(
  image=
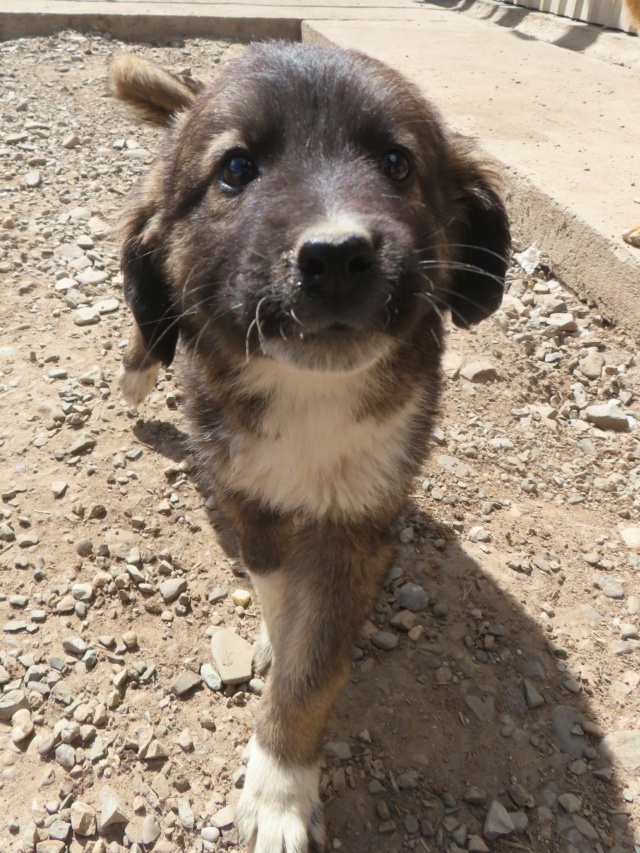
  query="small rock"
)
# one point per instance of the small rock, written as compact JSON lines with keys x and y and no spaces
{"x":479,"y":371}
{"x":172,"y":588}
{"x":11,"y":702}
{"x":150,"y":829}
{"x":610,"y":587}
{"x":86,"y":316}
{"x":22,"y":725}
{"x":112,"y":811}
{"x":408,"y":781}
{"x":241,"y":597}
{"x":74,"y":645}
{"x":338,"y":749}
{"x":83,"y":818}
{"x":411,"y":596}
{"x":384,"y":640}
{"x":33,"y":179}
{"x":498,"y":822}
{"x":570,"y":803}
{"x":72,"y":140}
{"x":185,"y":682}
{"x":631,"y":537}
{"x":210,"y":677}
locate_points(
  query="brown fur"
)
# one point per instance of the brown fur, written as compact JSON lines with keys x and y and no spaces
{"x":311,"y":389}
{"x":633,"y":10}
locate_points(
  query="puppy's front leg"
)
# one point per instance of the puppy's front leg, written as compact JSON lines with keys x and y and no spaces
{"x":329,"y":582}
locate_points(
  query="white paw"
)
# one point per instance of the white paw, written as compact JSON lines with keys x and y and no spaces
{"x":136,"y":384}
{"x":632,"y":236}
{"x":280,"y":809}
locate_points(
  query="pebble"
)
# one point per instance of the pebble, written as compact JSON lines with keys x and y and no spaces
{"x":33,"y":179}
{"x":172,"y":588}
{"x":112,"y":812}
{"x":498,"y":822}
{"x":412,"y":597}
{"x":87,"y":316}
{"x":232,"y":656}
{"x":570,"y":803}
{"x":338,"y":749}
{"x":22,"y":725}
{"x":185,"y":682}
{"x":610,"y":587}
{"x":479,"y":371}
{"x":631,"y":537}
{"x":241,"y":597}
{"x":384,"y":640}
{"x":210,"y":677}
{"x":74,"y":645}
{"x":150,"y":830}
{"x":11,"y":702}
{"x":83,"y":818}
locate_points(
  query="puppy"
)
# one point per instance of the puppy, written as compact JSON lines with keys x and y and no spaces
{"x":306,"y":228}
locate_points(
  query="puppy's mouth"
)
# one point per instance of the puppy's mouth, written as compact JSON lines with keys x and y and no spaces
{"x":337,"y":349}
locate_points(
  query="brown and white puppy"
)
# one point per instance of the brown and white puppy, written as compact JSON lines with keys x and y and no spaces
{"x":304,"y":231}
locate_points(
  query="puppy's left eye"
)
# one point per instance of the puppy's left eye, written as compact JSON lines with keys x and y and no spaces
{"x":395,"y":165}
{"x":237,"y":170}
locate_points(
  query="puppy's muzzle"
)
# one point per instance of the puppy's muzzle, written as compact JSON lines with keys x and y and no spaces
{"x":334,"y":266}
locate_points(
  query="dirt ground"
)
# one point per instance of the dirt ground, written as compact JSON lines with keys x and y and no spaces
{"x":507,"y":718}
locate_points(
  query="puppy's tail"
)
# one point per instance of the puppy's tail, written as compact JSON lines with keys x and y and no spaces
{"x":155,"y":94}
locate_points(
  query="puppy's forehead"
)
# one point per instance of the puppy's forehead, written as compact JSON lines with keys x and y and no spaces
{"x":317,"y":96}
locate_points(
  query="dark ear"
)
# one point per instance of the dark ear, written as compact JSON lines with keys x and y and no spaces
{"x":484,"y":243}
{"x":148,"y":294}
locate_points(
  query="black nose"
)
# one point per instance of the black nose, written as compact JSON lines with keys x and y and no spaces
{"x":334,"y":266}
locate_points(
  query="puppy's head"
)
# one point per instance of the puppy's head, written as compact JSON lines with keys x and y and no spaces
{"x":307,"y":205}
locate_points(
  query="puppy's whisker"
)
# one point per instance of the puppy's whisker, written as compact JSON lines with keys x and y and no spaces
{"x":460,"y":266}
{"x":298,"y":321}
{"x":504,"y":258}
{"x":247,"y":344}
{"x":258,"y":326}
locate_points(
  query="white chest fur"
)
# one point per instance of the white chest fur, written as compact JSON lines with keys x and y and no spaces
{"x":313,"y":454}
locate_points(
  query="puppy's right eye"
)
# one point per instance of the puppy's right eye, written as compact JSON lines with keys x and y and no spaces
{"x":237,"y":170}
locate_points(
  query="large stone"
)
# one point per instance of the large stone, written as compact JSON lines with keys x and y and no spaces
{"x":608,"y":416}
{"x":11,"y":702}
{"x":631,"y":537}
{"x":232,"y":656}
{"x":623,"y":748}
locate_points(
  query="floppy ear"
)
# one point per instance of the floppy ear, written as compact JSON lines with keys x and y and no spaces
{"x":147,"y":292}
{"x":155,"y":94}
{"x":484,"y":243}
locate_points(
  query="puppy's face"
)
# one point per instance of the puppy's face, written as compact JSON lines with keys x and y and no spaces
{"x":309,"y":207}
